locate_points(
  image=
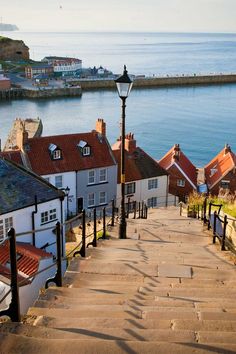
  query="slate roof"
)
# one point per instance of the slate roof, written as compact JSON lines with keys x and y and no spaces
{"x":37,"y":150}
{"x":29,"y":258}
{"x":184,"y":164}
{"x":19,"y":186}
{"x":13,"y":155}
{"x":222,"y":163}
{"x":138,"y":165}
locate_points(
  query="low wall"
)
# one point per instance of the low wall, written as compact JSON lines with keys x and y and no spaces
{"x":49,"y":93}
{"x":161,"y":81}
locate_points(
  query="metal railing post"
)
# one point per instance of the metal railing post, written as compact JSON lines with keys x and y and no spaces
{"x":209,"y":217}
{"x":214,"y":227}
{"x":57,"y":279}
{"x":13,"y":310}
{"x":113,"y":213}
{"x":82,"y":251}
{"x":128,"y":208}
{"x":198,"y":212}
{"x":104,"y":223}
{"x":224,"y":234}
{"x":180,"y":208}
{"x":139,"y":210}
{"x":94,"y":242}
{"x":204,"y":210}
{"x":135,"y":209}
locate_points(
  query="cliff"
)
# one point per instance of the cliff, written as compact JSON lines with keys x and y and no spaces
{"x":8,"y":27}
{"x":14,"y":50}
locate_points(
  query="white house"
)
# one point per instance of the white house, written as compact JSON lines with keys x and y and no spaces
{"x":30,"y":260}
{"x":29,"y":203}
{"x":145,"y":179}
{"x":82,"y":164}
{"x":64,"y":66}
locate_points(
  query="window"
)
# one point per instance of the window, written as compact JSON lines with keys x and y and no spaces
{"x":58,"y":181}
{"x":224,"y":184}
{"x":91,"y":177}
{"x":86,"y":151}
{"x":180,"y":182}
{"x":47,"y":179}
{"x":103,"y":175}
{"x":102,"y":198}
{"x":5,"y":225}
{"x":91,"y":199}
{"x":130,"y":188}
{"x":48,"y":216}
{"x":56,"y":155}
{"x":152,"y":183}
{"x":152,"y":202}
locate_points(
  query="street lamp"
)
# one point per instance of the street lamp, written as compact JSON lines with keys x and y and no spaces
{"x":66,"y":191}
{"x":124,"y":85}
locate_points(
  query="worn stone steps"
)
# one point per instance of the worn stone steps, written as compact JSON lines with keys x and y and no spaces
{"x":75,"y":346}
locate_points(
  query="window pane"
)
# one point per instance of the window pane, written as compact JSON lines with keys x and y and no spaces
{"x":130,"y":188}
{"x":8,"y":224}
{"x":1,"y":230}
{"x":153,"y":183}
{"x":58,"y":181}
{"x":102,"y":198}
{"x":91,"y":199}
{"x":52,"y":214}
{"x":103,"y":175}
{"x":91,"y":177}
{"x":44,"y":217}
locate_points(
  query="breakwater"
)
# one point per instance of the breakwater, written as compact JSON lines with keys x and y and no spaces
{"x":40,"y":93}
{"x":161,"y":81}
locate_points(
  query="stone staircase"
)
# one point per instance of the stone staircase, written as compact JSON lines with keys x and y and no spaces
{"x":171,"y":291}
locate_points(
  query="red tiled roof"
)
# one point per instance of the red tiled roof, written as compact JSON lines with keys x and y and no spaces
{"x":72,"y":159}
{"x":29,"y":257}
{"x":184,"y":164}
{"x":14,"y":155}
{"x":223,"y":163}
{"x":5,"y":272}
{"x":138,"y":165}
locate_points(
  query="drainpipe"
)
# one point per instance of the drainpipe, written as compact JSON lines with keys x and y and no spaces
{"x":76,"y":191}
{"x":33,"y":219}
{"x":62,"y":227}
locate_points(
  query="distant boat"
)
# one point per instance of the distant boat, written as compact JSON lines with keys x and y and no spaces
{"x":8,"y":27}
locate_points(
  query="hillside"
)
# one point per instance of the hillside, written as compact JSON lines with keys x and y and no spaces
{"x":13,"y":50}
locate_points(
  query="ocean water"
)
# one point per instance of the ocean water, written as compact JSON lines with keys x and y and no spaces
{"x":201,"y":118}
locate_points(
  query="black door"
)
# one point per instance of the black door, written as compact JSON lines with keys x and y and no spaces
{"x":80,"y":204}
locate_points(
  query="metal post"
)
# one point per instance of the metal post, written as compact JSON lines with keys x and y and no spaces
{"x":113,"y":213}
{"x":94,"y":242}
{"x":224,"y":234}
{"x":57,"y":279}
{"x":128,"y":208}
{"x":135,"y":209}
{"x":198,"y":212}
{"x":204,"y":210}
{"x":214,"y":227}
{"x":82,"y":251}
{"x":142,"y":211}
{"x":180,"y":208}
{"x":139,"y":211}
{"x":104,"y":223}
{"x":209,"y":217}
{"x":13,"y":310}
{"x":122,"y":226}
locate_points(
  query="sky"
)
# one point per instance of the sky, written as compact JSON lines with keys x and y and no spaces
{"x":121,"y":15}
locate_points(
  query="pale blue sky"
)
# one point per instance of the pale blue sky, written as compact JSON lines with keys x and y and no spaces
{"x":121,"y":15}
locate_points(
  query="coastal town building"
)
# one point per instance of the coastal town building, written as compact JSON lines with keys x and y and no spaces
{"x":64,"y":66}
{"x":82,"y":164}
{"x":31,"y":71}
{"x":145,"y":179}
{"x":183,"y":174}
{"x":220,"y":172}
{"x":5,"y":82}
{"x":30,"y":261}
{"x":28,"y":202}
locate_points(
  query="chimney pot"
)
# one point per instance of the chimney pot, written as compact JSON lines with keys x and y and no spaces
{"x":101,"y":126}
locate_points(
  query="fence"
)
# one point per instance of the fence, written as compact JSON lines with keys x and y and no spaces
{"x":108,"y":219}
{"x":214,"y":221}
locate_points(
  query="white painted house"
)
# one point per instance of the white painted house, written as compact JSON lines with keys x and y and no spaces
{"x":145,"y":179}
{"x":64,"y":66}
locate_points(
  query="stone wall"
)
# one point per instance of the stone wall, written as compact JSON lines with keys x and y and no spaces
{"x":13,"y":50}
{"x":161,"y":81}
{"x":47,"y":93}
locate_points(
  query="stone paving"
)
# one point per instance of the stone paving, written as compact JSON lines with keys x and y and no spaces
{"x":165,"y":289}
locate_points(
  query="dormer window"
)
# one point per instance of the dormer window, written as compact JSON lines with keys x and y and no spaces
{"x":213,"y":171}
{"x":84,"y":148}
{"x":55,"y":152}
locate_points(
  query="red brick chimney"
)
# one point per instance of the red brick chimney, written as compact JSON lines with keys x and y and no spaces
{"x":176,"y":152}
{"x":130,"y":143}
{"x":101,"y":126}
{"x":227,"y":149}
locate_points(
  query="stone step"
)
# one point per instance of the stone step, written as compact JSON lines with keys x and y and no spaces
{"x":28,"y":345}
{"x":163,"y":314}
{"x":102,"y":333}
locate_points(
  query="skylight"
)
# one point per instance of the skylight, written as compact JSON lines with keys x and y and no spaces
{"x":52,"y":147}
{"x":82,"y":144}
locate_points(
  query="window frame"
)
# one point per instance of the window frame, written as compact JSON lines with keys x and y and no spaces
{"x":105,"y":176}
{"x":130,"y":185}
{"x":152,"y":183}
{"x":60,"y":185}
{"x":56,"y":154}
{"x":94,"y":177}
{"x":180,"y":183}
{"x":152,"y":202}
{"x":86,"y":151}
{"x":48,"y":216}
{"x":90,"y":205}
{"x":105,"y":198}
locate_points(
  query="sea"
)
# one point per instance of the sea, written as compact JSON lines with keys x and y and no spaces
{"x":202,"y":119}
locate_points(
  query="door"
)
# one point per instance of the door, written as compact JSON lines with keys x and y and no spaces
{"x":80,"y":204}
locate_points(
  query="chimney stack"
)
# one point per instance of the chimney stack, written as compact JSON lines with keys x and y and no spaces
{"x":227,"y":149}
{"x":130,"y":143}
{"x":21,"y":136}
{"x":101,"y":126}
{"x":176,"y":152}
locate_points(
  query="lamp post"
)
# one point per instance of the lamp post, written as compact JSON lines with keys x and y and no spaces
{"x":67,"y":191}
{"x":124,"y":85}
